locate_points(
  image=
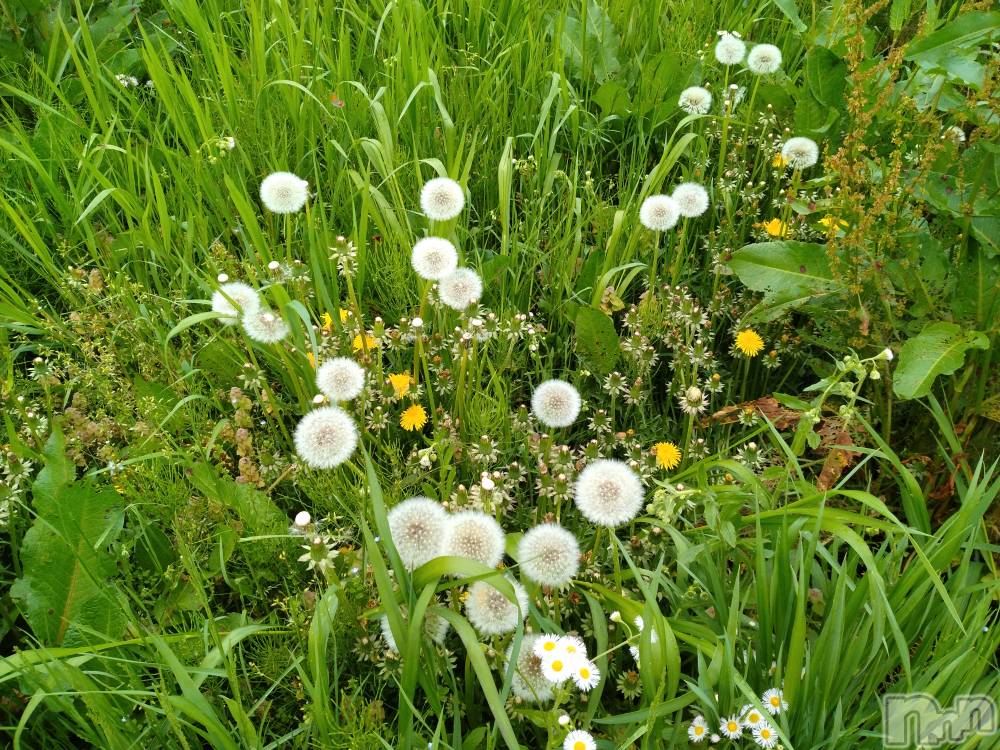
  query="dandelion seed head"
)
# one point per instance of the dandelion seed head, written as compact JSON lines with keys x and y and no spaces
{"x":283,"y":192}
{"x":326,"y":437}
{"x":442,"y":198}
{"x":800,"y":152}
{"x":433,"y":258}
{"x":460,"y":288}
{"x":340,"y":379}
{"x":475,"y":536}
{"x":555,"y":403}
{"x":730,"y":49}
{"x":691,"y":199}
{"x":549,"y":555}
{"x":234,"y":298}
{"x":659,"y":213}
{"x":417,"y":529}
{"x":492,"y":613}
{"x":764,"y":59}
{"x":265,"y":326}
{"x":695,"y":100}
{"x":528,"y":683}
{"x":608,"y":492}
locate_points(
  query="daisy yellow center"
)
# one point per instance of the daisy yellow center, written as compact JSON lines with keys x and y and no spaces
{"x":754,"y":718}
{"x":585,"y":673}
{"x":571,"y":649}
{"x":699,"y":731}
{"x":765,"y":734}
{"x":732,"y":726}
{"x":557,"y":666}
{"x":549,"y":646}
{"x":579,"y":745}
{"x":774,"y":700}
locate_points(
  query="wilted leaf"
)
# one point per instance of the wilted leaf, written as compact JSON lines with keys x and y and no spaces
{"x":833,"y":433}
{"x":939,"y":349}
{"x":781,"y":417}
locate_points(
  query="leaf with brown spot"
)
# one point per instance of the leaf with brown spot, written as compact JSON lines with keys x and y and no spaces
{"x":767,"y":406}
{"x":833,"y":433}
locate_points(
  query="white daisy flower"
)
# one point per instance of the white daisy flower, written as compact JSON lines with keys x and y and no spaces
{"x":730,"y":49}
{"x":586,"y":675}
{"x":751,"y":717}
{"x":528,"y":682}
{"x":340,"y":379}
{"x":609,"y":493}
{"x":461,"y":288}
{"x":774,"y":701}
{"x":417,"y":529}
{"x":555,"y":403}
{"x":283,"y":192}
{"x":695,"y":100}
{"x":557,"y":667}
{"x":476,"y":536}
{"x":764,"y":59}
{"x":764,"y":735}
{"x":433,"y":258}
{"x":698,"y":729}
{"x":326,"y":437}
{"x":579,"y":740}
{"x":235,"y":298}
{"x":955,"y":134}
{"x":691,"y":199}
{"x":492,"y":613}
{"x":442,"y":198}
{"x":546,"y":644}
{"x":265,"y":326}
{"x":732,"y":727}
{"x":800,"y":152}
{"x":659,"y":213}
{"x":549,"y":555}
{"x":573,"y":646}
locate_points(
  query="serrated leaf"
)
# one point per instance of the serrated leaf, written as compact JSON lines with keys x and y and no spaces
{"x":64,"y":592}
{"x":939,"y":349}
{"x":597,"y":342}
{"x":789,"y":274}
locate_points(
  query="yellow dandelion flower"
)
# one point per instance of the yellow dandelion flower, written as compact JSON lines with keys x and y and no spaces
{"x":312,"y":359}
{"x":779,"y":161}
{"x":668,"y":455}
{"x":327,"y":322}
{"x":414,"y":418}
{"x":401,"y":382}
{"x":776,"y":228}
{"x":833,"y":223}
{"x":366,"y":343}
{"x":749,"y":342}
{"x":343,"y":314}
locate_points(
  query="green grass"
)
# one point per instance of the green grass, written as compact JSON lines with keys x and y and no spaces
{"x":831,"y":527}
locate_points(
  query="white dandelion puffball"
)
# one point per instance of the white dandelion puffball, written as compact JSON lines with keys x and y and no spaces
{"x":528,"y":683}
{"x":326,"y":437}
{"x":434,"y":258}
{"x":691,"y":199}
{"x":265,"y":326}
{"x":800,"y":152}
{"x":234,"y":298}
{"x":556,"y":403}
{"x":442,"y":198}
{"x":659,"y":213}
{"x":549,"y":555}
{"x":578,"y":739}
{"x":492,"y":613}
{"x":475,"y":536}
{"x":435,"y":628}
{"x":340,"y":379}
{"x":460,"y":288}
{"x":417,"y":528}
{"x":764,"y":59}
{"x":730,"y":49}
{"x":608,"y":492}
{"x":695,"y":100}
{"x":283,"y":192}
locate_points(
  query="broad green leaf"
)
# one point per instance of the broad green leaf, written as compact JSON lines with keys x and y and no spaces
{"x":826,"y":75}
{"x":939,"y":349}
{"x":596,"y":340}
{"x":63,"y":591}
{"x":590,"y":52}
{"x":969,"y":29}
{"x":257,"y":511}
{"x":789,"y":274}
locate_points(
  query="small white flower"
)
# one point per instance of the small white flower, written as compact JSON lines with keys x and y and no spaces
{"x":615,"y":616}
{"x":751,"y":717}
{"x":433,"y":258}
{"x":549,"y":555}
{"x":579,"y":740}
{"x":732,"y":727}
{"x":302,"y":519}
{"x":223,"y":278}
{"x":730,"y":49}
{"x":659,"y":213}
{"x":764,"y":59}
{"x":573,"y":646}
{"x":417,"y":529}
{"x":274,"y":265}
{"x":885,"y":354}
{"x":234,"y":298}
{"x":283,"y":192}
{"x":265,"y":326}
{"x":461,"y":288}
{"x":557,"y":667}
{"x":326,"y":437}
{"x":691,"y":199}
{"x":954,"y":134}
{"x":698,"y":729}
{"x":340,"y":379}
{"x":586,"y":675}
{"x":442,"y":198}
{"x":764,"y":735}
{"x":695,"y":100}
{"x":774,"y":701}
{"x":609,"y":493}
{"x":563,"y":720}
{"x":800,"y":152}
{"x":417,"y":322}
{"x":555,"y":403}
{"x":546,"y":644}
